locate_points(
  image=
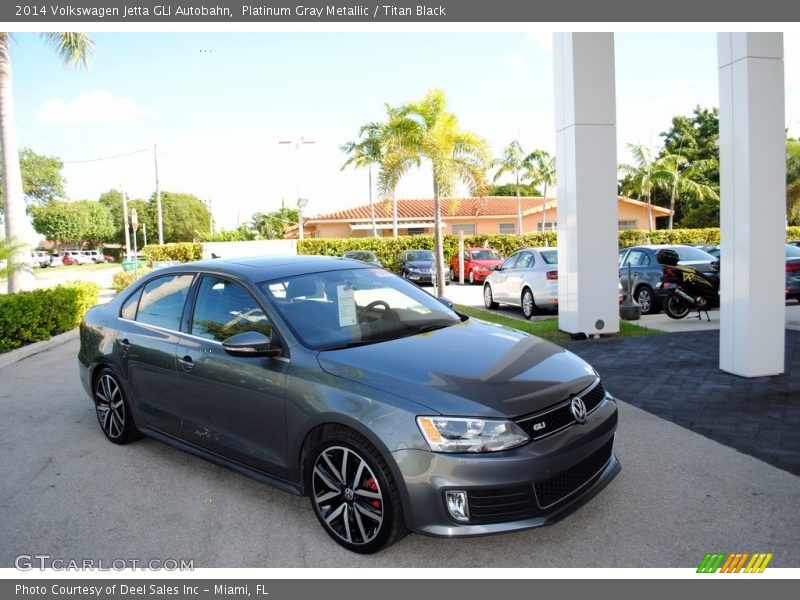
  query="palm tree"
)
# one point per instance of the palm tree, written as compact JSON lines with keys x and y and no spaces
{"x":365,"y":153}
{"x":427,"y":130}
{"x":793,"y":181}
{"x":641,"y":178}
{"x":74,"y":49}
{"x":677,"y":176}
{"x":513,"y":161}
{"x":542,"y":171}
{"x":10,"y":252}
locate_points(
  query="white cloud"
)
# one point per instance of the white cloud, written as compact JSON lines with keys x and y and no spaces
{"x":96,"y":106}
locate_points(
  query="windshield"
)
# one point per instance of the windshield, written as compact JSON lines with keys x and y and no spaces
{"x":485,"y":255}
{"x":338,"y":309}
{"x":690,"y":253}
{"x":420,"y":255}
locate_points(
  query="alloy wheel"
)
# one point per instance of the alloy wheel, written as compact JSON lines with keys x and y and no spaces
{"x":644,"y":297}
{"x":528,"y":307}
{"x":110,"y":406}
{"x":347,"y":495}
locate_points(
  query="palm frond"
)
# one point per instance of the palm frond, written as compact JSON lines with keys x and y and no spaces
{"x":74,"y":48}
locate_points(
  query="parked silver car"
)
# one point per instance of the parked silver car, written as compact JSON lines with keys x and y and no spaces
{"x":528,"y":279}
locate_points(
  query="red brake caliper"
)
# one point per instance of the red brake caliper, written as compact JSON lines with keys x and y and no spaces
{"x":372,"y":486}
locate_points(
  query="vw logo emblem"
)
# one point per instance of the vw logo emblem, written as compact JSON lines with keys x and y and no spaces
{"x":578,"y":410}
{"x":349,"y":495}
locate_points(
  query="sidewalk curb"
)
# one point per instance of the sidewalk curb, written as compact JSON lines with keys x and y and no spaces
{"x":9,"y":358}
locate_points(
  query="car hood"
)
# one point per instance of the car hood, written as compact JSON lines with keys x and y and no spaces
{"x":469,"y":369}
{"x":419,"y":264}
{"x":487,"y":263}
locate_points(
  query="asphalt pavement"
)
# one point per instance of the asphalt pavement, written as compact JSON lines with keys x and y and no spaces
{"x":67,"y":492}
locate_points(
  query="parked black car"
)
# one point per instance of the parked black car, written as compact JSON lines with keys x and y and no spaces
{"x":419,"y":266}
{"x":646,"y":271}
{"x":330,"y":378}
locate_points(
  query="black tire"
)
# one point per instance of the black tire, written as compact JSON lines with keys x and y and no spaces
{"x":645,"y":298}
{"x":675,"y":307}
{"x":353,"y":493}
{"x":113,"y":409}
{"x":529,"y":308}
{"x":488,"y":298}
{"x":471,"y":277}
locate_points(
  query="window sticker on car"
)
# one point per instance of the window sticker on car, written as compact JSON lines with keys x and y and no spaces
{"x":347,"y":305}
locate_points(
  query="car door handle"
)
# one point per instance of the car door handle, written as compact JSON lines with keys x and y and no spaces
{"x":124,"y":345}
{"x":186,"y":363}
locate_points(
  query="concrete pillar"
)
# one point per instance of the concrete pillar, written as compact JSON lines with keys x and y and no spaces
{"x":752,"y":204}
{"x":586,"y":165}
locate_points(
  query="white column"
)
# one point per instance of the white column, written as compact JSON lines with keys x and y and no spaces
{"x":752,"y":205}
{"x":586,"y":165}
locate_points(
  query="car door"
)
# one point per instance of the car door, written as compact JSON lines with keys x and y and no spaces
{"x":231,"y":405}
{"x":641,"y":268}
{"x":150,"y":323}
{"x":499,"y":280}
{"x":515,"y":280}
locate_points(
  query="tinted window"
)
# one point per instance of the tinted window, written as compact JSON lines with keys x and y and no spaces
{"x":422,"y":256}
{"x":485,"y":255}
{"x":224,"y":308}
{"x":129,"y":307}
{"x":525,"y":261}
{"x":689,"y":253}
{"x":637,"y":258}
{"x":162,"y":301}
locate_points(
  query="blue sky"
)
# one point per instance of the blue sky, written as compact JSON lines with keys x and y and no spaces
{"x":217,"y":104}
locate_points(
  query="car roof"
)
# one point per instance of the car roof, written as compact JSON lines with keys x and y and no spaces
{"x":262,"y":268}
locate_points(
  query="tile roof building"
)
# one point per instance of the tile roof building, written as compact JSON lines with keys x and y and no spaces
{"x":489,"y":215}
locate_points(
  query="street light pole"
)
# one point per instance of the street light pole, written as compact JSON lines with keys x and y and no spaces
{"x":301,"y":202}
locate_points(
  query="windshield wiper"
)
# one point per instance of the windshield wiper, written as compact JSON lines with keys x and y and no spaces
{"x":353,"y":344}
{"x":433,"y":326}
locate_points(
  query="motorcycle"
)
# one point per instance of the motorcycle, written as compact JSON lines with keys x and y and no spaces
{"x":686,"y":289}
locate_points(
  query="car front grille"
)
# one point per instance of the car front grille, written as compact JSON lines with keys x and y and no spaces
{"x":556,"y":418}
{"x":498,"y":505}
{"x":514,"y":503}
{"x":566,"y":483}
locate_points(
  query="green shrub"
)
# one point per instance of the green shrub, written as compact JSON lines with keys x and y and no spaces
{"x":389,"y":249}
{"x":28,"y":317}
{"x":182,"y":252}
{"x":124,"y":278}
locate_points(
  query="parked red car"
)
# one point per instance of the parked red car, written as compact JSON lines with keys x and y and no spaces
{"x":478,"y":264}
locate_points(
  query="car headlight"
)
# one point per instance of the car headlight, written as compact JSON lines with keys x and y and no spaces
{"x":413,"y":269}
{"x":458,"y":434}
{"x":480,"y":268}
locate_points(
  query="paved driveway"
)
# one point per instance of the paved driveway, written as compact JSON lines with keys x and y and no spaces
{"x":67,"y":492}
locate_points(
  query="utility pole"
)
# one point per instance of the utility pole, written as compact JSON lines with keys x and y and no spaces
{"x":125,"y":223}
{"x":158,"y":199}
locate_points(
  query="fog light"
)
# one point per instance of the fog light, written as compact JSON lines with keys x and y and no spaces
{"x":457,"y":504}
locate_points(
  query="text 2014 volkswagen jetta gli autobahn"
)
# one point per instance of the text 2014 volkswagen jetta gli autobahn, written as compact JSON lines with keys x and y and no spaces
{"x":341,"y":381}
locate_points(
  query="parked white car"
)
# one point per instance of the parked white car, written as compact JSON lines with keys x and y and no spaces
{"x":77,"y":256}
{"x":40,"y":258}
{"x":528,"y":279}
{"x":95,"y":256}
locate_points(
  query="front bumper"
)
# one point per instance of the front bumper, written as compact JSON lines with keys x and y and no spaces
{"x":418,"y":277}
{"x":529,"y":486}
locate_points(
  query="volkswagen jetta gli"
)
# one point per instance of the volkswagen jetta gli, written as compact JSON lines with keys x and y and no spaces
{"x":341,"y":381}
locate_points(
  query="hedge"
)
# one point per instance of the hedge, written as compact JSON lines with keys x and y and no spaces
{"x":123,"y":279}
{"x":182,"y":252}
{"x":27,"y":317}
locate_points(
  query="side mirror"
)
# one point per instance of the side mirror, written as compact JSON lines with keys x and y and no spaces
{"x":250,"y":343}
{"x":497,"y":268}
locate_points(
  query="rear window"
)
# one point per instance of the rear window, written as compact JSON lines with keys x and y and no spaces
{"x":550,"y":256}
{"x":792,"y":251}
{"x":690,"y":253}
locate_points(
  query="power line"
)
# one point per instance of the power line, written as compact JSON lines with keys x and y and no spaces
{"x":67,"y":162}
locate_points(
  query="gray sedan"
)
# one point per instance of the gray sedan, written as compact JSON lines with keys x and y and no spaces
{"x":340,"y":381}
{"x":528,"y":279}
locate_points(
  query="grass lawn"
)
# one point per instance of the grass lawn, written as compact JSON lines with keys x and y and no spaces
{"x":548,"y":328}
{"x":49,"y":272}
